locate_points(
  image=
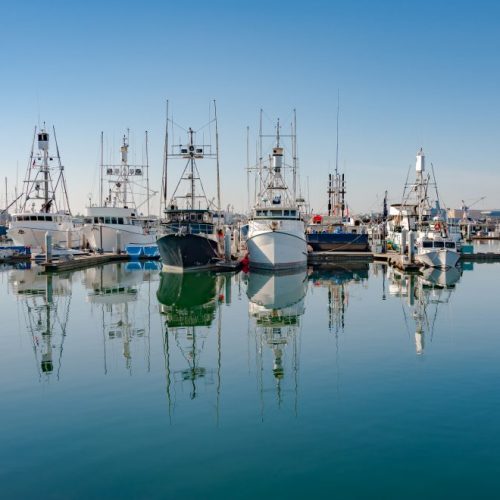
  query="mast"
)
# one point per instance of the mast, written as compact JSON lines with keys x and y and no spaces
{"x":217,"y":161}
{"x":248,"y":169}
{"x":163,"y":200}
{"x":101,"y":170}
{"x":147,"y":175}
{"x":294,"y":153}
{"x":191,"y":160}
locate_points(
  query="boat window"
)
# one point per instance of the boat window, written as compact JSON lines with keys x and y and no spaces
{"x":200,"y":217}
{"x":87,"y":220}
{"x":107,"y":220}
{"x":32,"y":217}
{"x":293,"y":213}
{"x":120,"y":220}
{"x":49,"y":218}
{"x":450,"y":244}
{"x":113,"y":220}
{"x":439,"y":244}
{"x":101,"y":220}
{"x":277,"y":213}
{"x":40,"y":217}
{"x":205,"y":217}
{"x":286,"y":213}
{"x":427,"y":244}
{"x":192,"y":216}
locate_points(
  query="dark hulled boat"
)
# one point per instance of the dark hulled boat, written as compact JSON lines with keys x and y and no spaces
{"x":188,"y":238}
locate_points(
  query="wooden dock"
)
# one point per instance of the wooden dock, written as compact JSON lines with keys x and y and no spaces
{"x":81,"y":262}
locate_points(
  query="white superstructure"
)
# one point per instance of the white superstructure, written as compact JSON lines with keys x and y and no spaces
{"x":44,"y":201}
{"x":116,"y":219}
{"x":276,"y":234}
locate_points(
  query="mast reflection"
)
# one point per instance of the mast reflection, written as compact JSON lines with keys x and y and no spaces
{"x":336,"y":278}
{"x":424,"y":293}
{"x":114,"y":291}
{"x":276,"y":303}
{"x":46,"y":301}
{"x":189,"y":304}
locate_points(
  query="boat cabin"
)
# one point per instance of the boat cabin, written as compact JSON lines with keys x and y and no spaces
{"x":195,"y":221}
{"x":451,"y":245}
{"x":277,"y":213}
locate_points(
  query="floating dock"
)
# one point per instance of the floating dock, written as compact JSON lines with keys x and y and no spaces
{"x":81,"y":262}
{"x":316,"y":258}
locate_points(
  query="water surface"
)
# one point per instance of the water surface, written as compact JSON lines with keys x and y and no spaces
{"x":354,"y":382}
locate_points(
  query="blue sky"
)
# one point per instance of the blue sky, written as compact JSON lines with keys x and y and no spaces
{"x":410,"y":74}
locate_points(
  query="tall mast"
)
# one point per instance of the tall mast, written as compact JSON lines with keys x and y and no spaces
{"x":294,"y":152}
{"x":43,"y":143}
{"x":101,"y":170}
{"x":217,"y":160}
{"x":163,"y":201}
{"x":191,"y":148}
{"x":248,"y":168}
{"x":147,"y":175}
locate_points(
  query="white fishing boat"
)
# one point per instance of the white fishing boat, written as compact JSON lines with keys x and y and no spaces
{"x":117,"y":219}
{"x":436,"y":243}
{"x":276,"y":230}
{"x":44,"y":201}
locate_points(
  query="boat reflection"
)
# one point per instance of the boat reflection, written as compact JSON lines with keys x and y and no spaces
{"x":276,"y":303}
{"x":189,"y":304}
{"x":114,"y":291}
{"x":46,"y":301}
{"x":337,"y":278}
{"x":424,"y":294}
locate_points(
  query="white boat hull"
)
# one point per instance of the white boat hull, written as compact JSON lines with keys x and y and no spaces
{"x":34,"y":237}
{"x":276,"y":249}
{"x":104,"y":237}
{"x":441,"y":258}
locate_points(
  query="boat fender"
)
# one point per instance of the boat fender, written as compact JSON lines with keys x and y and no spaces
{"x":274,"y":225}
{"x":437,"y":226}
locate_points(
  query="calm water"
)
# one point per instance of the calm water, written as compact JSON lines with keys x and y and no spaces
{"x":124,"y":382}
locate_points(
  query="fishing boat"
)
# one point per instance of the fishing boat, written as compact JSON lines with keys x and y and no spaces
{"x":190,"y":233}
{"x":336,"y":231}
{"x":436,"y":243}
{"x":44,"y":201}
{"x":276,"y":231}
{"x":117,"y":220}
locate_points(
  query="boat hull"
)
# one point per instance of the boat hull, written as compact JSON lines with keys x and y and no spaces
{"x":441,"y":258}
{"x":31,"y":236}
{"x":277,"y":250}
{"x":103,"y":236}
{"x":181,"y":252}
{"x":338,"y":242}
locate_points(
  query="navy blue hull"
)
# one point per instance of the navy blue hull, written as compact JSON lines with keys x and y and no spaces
{"x":187,"y":251}
{"x":341,"y":242}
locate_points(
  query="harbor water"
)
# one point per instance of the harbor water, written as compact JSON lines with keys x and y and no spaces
{"x":355,"y":381}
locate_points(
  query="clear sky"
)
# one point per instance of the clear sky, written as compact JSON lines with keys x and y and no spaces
{"x":410,"y":75}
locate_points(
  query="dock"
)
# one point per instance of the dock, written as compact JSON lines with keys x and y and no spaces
{"x":322,"y":258}
{"x":81,"y":262}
